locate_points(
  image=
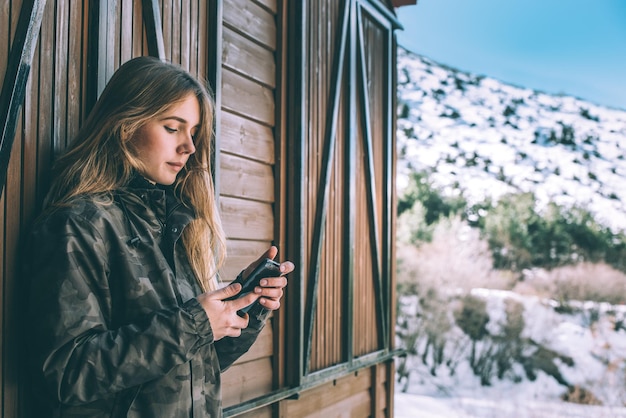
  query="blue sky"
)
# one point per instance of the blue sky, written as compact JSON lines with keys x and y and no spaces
{"x":574,"y":47}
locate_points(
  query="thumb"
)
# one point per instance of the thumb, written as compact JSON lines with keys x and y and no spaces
{"x":227,"y":292}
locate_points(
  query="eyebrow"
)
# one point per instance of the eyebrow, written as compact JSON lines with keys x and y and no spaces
{"x":179,"y":119}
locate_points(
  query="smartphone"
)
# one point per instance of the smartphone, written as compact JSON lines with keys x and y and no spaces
{"x":266,"y":268}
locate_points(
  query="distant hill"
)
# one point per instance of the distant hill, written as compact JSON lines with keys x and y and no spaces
{"x":488,"y":138}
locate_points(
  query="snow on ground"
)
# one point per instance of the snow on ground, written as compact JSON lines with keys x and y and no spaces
{"x":408,"y":405}
{"x":587,"y":334}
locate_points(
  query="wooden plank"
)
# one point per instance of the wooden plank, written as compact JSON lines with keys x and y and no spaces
{"x":265,"y":412}
{"x":26,"y":21}
{"x":240,"y":254}
{"x":166,"y":20}
{"x":138,"y":29}
{"x":247,"y":98}
{"x":203,"y":40}
{"x":60,"y":76}
{"x":45,"y":136}
{"x":247,"y":381}
{"x":261,"y":348}
{"x":243,"y":136}
{"x":240,"y":177}
{"x":185,"y":28}
{"x":175,"y":33}
{"x":11,"y":167}
{"x":251,"y":20}
{"x":5,"y":8}
{"x":126,"y":26}
{"x":248,"y":58}
{"x":248,"y":220}
{"x":268,"y":4}
{"x":346,"y":396}
{"x":74,"y":69}
{"x":29,"y":141}
{"x":194,"y":53}
{"x":154,"y":30}
{"x":116,"y":34}
{"x":390,"y":388}
{"x":12,"y":304}
{"x":107,"y":45}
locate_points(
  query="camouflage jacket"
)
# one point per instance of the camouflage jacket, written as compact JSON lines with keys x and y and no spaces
{"x":115,"y":328}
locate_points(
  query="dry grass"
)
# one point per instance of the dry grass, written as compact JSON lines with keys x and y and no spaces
{"x":584,"y":281}
{"x":457,"y":258}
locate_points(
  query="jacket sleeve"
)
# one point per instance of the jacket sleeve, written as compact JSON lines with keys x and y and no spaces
{"x":80,"y":357}
{"x":229,"y":349}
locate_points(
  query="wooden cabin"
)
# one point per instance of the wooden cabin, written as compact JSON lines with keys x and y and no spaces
{"x":305,"y":133}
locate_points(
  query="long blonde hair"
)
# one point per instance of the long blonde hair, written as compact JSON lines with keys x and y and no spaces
{"x":101,"y":157}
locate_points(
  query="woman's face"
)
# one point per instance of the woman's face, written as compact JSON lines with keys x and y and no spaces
{"x":165,"y":143}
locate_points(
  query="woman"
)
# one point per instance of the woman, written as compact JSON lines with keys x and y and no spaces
{"x":126,"y":314}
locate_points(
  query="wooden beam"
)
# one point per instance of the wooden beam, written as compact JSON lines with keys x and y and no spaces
{"x":400,"y":3}
{"x":16,"y":77}
{"x":381,"y":308}
{"x":154,"y":29}
{"x":215,"y":12}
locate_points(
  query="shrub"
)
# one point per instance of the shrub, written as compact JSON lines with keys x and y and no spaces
{"x":472,"y":318}
{"x":521,"y":237}
{"x":436,"y":205}
{"x":580,"y":395}
{"x":597,"y":282}
{"x":456,"y":258}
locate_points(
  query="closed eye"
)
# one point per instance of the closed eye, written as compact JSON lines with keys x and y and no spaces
{"x":170,"y":130}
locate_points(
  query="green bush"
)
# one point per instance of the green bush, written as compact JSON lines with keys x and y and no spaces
{"x":436,"y":204}
{"x":519,"y":233}
{"x":522,"y":237}
{"x":422,"y":206}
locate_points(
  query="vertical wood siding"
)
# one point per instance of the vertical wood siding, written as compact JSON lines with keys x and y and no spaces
{"x":51,"y":112}
{"x":351,"y":311}
{"x":367,"y":304}
{"x":345,"y":224}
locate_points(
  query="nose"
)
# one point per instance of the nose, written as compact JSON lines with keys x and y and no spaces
{"x":188,"y":147}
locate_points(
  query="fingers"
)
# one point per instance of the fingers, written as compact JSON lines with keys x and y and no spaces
{"x":271,"y":291}
{"x":243,"y":301}
{"x":280,"y":281}
{"x":236,"y":324}
{"x":222,"y":314}
{"x":286,"y":267}
{"x":227,"y":291}
{"x":270,"y":253}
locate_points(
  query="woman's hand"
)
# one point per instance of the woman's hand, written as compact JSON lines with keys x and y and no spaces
{"x":223,"y":316}
{"x":225,"y":322}
{"x":270,"y":290}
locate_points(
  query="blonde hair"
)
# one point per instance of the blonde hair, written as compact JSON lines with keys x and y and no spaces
{"x":101,"y":157}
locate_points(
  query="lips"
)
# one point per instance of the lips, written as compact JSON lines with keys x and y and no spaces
{"x":176,"y":166}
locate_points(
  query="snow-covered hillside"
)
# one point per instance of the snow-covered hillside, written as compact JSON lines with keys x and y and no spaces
{"x":487,"y":138}
{"x":491,"y":138}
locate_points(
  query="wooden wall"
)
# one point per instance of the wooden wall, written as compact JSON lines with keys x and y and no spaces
{"x":51,"y":112}
{"x":271,"y":64}
{"x":246,"y":168}
{"x":75,"y":36}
